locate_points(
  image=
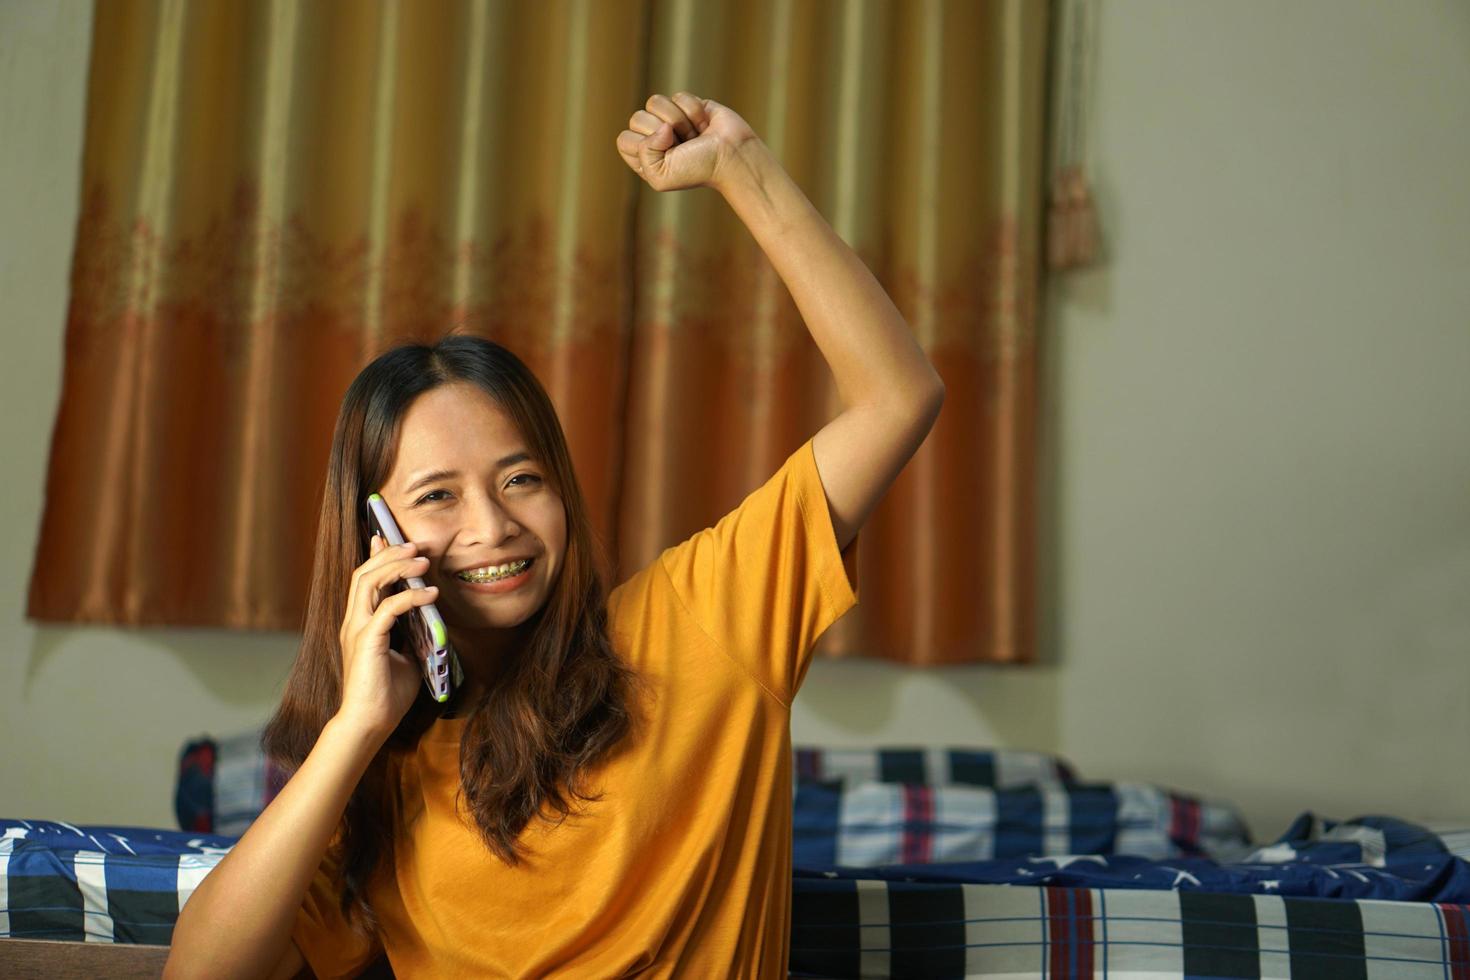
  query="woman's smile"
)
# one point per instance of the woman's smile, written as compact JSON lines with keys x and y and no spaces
{"x":498,"y":586}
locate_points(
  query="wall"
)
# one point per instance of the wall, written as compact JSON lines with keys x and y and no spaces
{"x":92,"y":718}
{"x":1260,"y":419}
{"x":1257,"y":505}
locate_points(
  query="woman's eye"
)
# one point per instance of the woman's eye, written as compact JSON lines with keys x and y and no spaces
{"x":434,"y":496}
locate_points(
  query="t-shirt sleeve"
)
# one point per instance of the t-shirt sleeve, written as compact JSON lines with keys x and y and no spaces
{"x":327,"y":942}
{"x":767,"y":580}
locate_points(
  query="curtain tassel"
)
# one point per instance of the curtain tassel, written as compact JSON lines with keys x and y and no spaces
{"x":1072,"y":239}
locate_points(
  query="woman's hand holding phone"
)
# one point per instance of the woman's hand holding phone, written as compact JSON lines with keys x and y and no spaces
{"x":378,"y":683}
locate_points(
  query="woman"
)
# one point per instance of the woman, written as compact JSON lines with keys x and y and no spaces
{"x":609,"y":791}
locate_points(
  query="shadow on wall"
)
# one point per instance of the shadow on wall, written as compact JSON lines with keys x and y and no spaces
{"x":239,"y":669}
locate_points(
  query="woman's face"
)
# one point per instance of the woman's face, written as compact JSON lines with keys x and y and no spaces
{"x":495,"y":505}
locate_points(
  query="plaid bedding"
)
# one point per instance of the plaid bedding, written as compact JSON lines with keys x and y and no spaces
{"x":99,"y":884}
{"x":118,"y":884}
{"x":863,"y":928}
{"x":905,"y":864}
{"x":993,"y":768}
{"x":867,"y":824}
{"x":224,"y":784}
{"x":1445,"y":878}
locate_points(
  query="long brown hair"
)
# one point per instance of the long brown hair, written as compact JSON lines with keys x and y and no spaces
{"x":560,"y":706}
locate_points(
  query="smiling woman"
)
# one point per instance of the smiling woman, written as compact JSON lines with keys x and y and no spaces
{"x":415,"y":426}
{"x":462,"y":442}
{"x":609,"y":793}
{"x":470,"y":520}
{"x":452,"y":838}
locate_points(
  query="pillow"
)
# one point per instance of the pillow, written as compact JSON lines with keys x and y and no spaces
{"x":224,"y":784}
{"x":873,"y":824}
{"x":993,"y":768}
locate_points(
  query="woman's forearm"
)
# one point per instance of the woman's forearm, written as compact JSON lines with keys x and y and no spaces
{"x":865,"y":340}
{"x":238,"y":921}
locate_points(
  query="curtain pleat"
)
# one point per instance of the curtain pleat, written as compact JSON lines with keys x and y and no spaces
{"x":275,"y":192}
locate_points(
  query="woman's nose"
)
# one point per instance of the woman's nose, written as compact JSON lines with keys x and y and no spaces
{"x":492,"y":522}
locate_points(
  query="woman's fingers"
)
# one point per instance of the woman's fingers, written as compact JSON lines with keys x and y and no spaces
{"x":628,"y":148}
{"x":401,"y":602}
{"x":667,"y":111}
{"x":378,"y":683}
{"x":694,"y":108}
{"x":376,"y":576}
{"x":686,"y":114}
{"x":644,"y":123}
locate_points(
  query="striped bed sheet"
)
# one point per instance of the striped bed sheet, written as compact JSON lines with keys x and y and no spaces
{"x":910,"y":862}
{"x":126,"y":885}
{"x":868,"y":928}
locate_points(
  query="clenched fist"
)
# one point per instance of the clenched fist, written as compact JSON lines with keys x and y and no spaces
{"x":683,"y":141}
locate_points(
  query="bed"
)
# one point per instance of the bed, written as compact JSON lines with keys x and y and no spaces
{"x":907,"y":862}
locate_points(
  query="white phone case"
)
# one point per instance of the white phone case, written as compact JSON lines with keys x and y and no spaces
{"x":442,"y":671}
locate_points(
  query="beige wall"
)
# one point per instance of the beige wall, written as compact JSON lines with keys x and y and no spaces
{"x":1258,"y":507}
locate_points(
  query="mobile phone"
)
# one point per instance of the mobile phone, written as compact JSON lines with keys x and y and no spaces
{"x":442,"y":671}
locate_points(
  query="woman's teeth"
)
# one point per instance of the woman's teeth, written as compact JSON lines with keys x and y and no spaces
{"x":494,"y":573}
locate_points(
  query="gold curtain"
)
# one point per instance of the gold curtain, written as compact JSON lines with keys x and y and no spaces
{"x":276,"y":191}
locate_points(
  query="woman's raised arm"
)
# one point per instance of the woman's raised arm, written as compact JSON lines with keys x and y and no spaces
{"x":891,"y":394}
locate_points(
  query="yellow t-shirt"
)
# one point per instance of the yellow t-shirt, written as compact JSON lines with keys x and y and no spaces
{"x":683,"y":869}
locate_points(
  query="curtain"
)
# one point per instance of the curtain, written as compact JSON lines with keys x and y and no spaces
{"x":274,"y":192}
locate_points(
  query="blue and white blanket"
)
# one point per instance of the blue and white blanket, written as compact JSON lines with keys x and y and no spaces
{"x":905,"y":863}
{"x":127,"y":884}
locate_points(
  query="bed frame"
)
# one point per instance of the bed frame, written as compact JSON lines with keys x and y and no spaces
{"x":36,"y":959}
